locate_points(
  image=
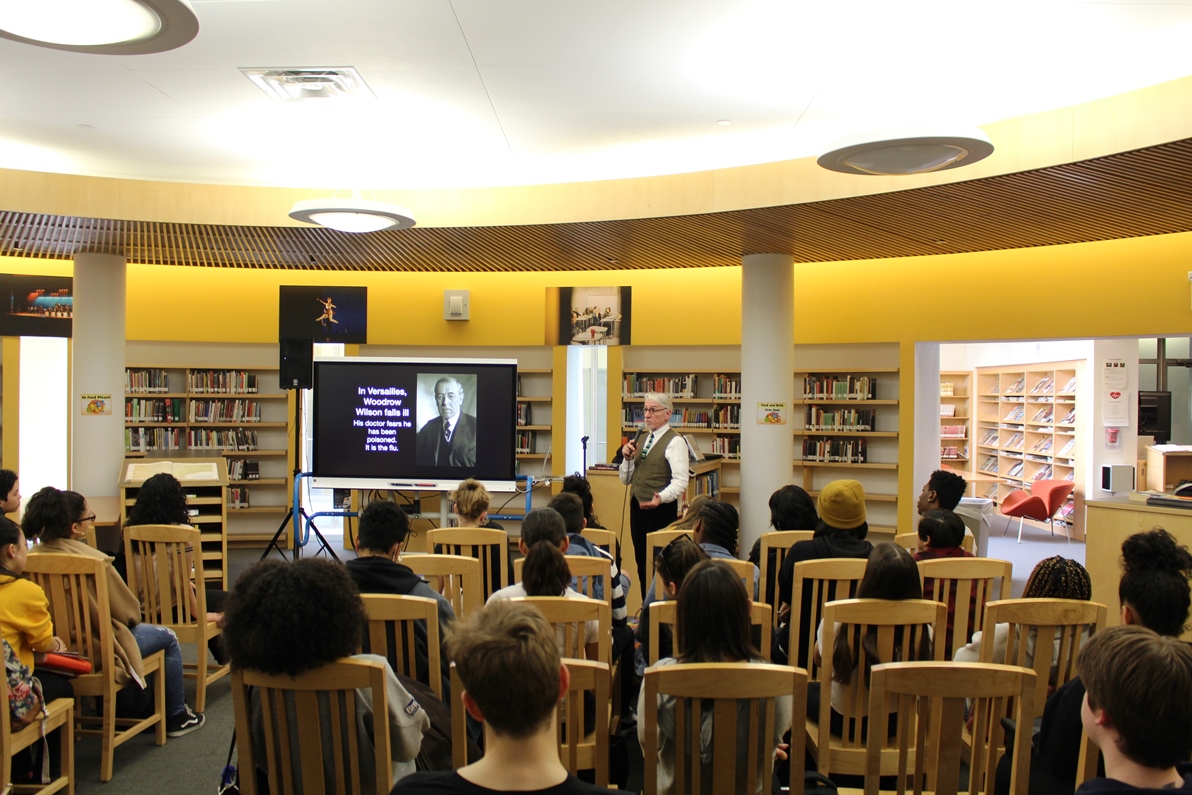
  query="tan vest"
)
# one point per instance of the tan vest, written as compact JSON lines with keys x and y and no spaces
{"x":652,"y":473}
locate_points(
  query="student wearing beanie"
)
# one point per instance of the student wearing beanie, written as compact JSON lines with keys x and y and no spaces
{"x":840,"y":534}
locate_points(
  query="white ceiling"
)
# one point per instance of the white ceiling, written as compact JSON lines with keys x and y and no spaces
{"x":507,"y":92}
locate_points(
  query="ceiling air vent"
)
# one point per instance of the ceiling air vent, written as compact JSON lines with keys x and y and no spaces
{"x":303,"y":84}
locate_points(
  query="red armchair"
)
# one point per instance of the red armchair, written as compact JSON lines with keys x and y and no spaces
{"x":1045,"y":499}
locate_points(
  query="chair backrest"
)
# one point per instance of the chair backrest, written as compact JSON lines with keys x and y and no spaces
{"x":896,"y":631}
{"x":83,"y":621}
{"x":744,"y":570}
{"x":655,"y":543}
{"x":584,"y":573}
{"x":965,"y":585}
{"x":577,"y":750}
{"x":605,"y":539}
{"x":489,"y":546}
{"x":741,"y":701}
{"x":300,"y":751}
{"x":772,"y":552}
{"x":910,"y":541}
{"x":666,"y":612}
{"x":160,"y":565}
{"x":1044,"y":635}
{"x":1053,"y":493}
{"x":456,"y":577}
{"x":820,"y":581}
{"x":569,"y":617}
{"x":394,"y":632}
{"x":929,"y":699}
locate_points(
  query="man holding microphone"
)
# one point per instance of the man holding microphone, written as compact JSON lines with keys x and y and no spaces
{"x":656,"y":470}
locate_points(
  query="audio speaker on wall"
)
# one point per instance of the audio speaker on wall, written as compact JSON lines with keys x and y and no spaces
{"x":297,"y":363}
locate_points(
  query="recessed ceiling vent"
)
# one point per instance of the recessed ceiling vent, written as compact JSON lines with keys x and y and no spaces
{"x":302,"y":84}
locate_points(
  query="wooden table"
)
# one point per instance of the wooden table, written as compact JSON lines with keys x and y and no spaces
{"x":1108,"y":523}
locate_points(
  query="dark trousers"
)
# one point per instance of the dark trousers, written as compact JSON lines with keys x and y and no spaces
{"x":647,"y":521}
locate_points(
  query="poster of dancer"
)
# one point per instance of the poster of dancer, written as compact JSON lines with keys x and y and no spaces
{"x":325,"y":314}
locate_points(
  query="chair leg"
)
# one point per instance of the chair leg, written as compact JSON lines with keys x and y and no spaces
{"x":67,"y":753}
{"x":201,"y":676}
{"x":107,"y":751}
{"x":1020,"y":519}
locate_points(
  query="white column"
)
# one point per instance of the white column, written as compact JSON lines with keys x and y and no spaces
{"x":97,"y":440}
{"x":767,"y":376}
{"x":927,"y":415}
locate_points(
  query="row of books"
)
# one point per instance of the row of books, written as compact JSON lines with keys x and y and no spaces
{"x":953,"y":431}
{"x":1016,"y":415}
{"x":146,"y":380}
{"x":232,"y":439}
{"x":1044,"y":386}
{"x":720,"y":417}
{"x":954,"y":452}
{"x":839,"y":387}
{"x":143,"y":440}
{"x":1044,"y":415}
{"x":153,"y":409}
{"x":222,"y":381}
{"x":524,"y":442}
{"x":676,"y":386}
{"x":523,"y":414}
{"x":836,"y":451}
{"x":1044,"y":473}
{"x":947,"y":409}
{"x":947,"y":389}
{"x":707,"y":483}
{"x":727,"y":446}
{"x":237,"y":497}
{"x":244,"y":469}
{"x":816,"y":418}
{"x":225,"y":411}
{"x":726,"y":387}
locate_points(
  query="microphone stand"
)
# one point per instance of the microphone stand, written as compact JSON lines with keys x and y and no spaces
{"x":584,"y":443}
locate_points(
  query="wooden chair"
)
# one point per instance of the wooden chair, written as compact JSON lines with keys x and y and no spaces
{"x":605,"y":539}
{"x":1036,"y":625}
{"x":60,"y":717}
{"x":820,"y":581}
{"x":745,"y":570}
{"x":490,"y":547}
{"x":84,"y":621}
{"x":655,"y":543}
{"x":568,"y":617}
{"x":457,"y":578}
{"x":301,"y":752}
{"x":773,"y":549}
{"x":929,"y":700}
{"x":665,"y":612}
{"x":394,"y":630}
{"x":1045,"y":498}
{"x":584,"y":571}
{"x":901,"y":627}
{"x":740,"y":698}
{"x":965,"y":585}
{"x":160,"y":562}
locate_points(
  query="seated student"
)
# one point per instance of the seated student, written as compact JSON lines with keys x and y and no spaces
{"x":1052,"y":578}
{"x":1153,"y":593}
{"x":579,"y":486}
{"x":378,"y":569}
{"x":545,"y":573}
{"x":690,"y":514}
{"x":1137,"y":710}
{"x":942,"y":491}
{"x":288,"y":618}
{"x":571,"y":508}
{"x":840,"y":534}
{"x":791,"y":508}
{"x":673,"y":562}
{"x":940,"y":535}
{"x":712,"y":620}
{"x":10,"y":492}
{"x":470,"y":502}
{"x":58,"y":520}
{"x":513,"y":679}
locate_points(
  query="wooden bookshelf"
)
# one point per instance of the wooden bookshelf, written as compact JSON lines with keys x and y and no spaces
{"x":956,"y":424}
{"x":535,"y":445}
{"x":1026,"y":431}
{"x":237,"y":413}
{"x":846,"y":427}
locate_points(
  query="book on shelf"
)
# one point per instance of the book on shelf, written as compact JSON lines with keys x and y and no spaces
{"x":1015,"y":470}
{"x":843,"y":387}
{"x":1015,"y":414}
{"x":1043,"y":415}
{"x":990,"y":438}
{"x":693,"y":451}
{"x":836,"y":451}
{"x":1043,"y":386}
{"x":182,"y":470}
{"x":244,"y":469}
{"x":1068,"y":447}
{"x":146,"y":379}
{"x":947,"y":409}
{"x":680,"y":386}
{"x":949,"y":452}
{"x":1044,"y":473}
{"x":724,"y":386}
{"x":1070,"y":386}
{"x":947,"y":389}
{"x":1069,"y":418}
{"x":817,"y":418}
{"x":523,"y":414}
{"x":989,"y":465}
{"x":953,"y":431}
{"x":1017,"y":387}
{"x":238,"y":497}
{"x":727,"y":446}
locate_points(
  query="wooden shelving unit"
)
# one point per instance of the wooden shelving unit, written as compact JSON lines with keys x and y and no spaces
{"x":849,"y":429}
{"x":534,"y":406}
{"x":1026,"y":430}
{"x":956,"y":424}
{"x":237,"y":413}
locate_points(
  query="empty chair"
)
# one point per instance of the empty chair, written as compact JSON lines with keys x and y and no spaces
{"x":1045,"y":498}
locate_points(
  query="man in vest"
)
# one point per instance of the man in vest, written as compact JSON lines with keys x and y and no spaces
{"x":655,"y":468}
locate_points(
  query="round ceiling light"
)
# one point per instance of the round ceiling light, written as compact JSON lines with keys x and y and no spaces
{"x":100,"y":27}
{"x":913,"y":154}
{"x":352,"y":215}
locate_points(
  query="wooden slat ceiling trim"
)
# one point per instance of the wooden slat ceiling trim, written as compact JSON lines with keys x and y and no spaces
{"x":1131,"y":194}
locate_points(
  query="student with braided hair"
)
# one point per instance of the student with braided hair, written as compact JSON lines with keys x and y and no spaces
{"x":1052,"y":578}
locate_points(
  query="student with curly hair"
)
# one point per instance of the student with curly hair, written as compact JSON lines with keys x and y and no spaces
{"x":578,"y":485}
{"x":289,"y":618}
{"x":58,"y":520}
{"x":10,"y":492}
{"x":712,"y":621}
{"x":513,"y":679}
{"x":1153,"y":593}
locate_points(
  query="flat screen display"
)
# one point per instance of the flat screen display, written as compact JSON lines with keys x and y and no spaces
{"x":415,"y":424}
